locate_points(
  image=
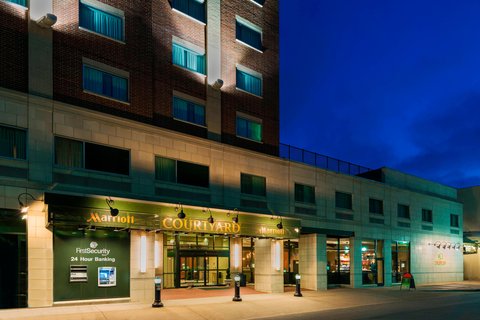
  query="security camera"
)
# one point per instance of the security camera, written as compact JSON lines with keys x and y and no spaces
{"x":217,"y":84}
{"x":47,"y":20}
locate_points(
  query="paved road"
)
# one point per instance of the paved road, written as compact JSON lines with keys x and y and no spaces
{"x":452,"y":305}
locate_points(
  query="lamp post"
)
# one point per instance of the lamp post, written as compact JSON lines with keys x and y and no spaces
{"x":298,"y":292}
{"x":158,"y":286}
{"x":237,"y":288}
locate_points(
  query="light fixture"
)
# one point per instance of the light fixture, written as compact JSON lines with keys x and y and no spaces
{"x":280,"y":224}
{"x":210,"y":218}
{"x":235,"y":219}
{"x":47,"y":20}
{"x":181,"y":214}
{"x":110,"y":203}
{"x":24,"y":205}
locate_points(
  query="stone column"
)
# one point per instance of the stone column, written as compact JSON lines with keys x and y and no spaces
{"x":269,"y":265}
{"x":235,"y":256}
{"x":141,"y":283}
{"x":312,"y":250}
{"x":355,"y":262}
{"x":387,"y":254}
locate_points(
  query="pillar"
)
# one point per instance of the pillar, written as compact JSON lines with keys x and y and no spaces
{"x":355,"y":262}
{"x":312,"y":250}
{"x":141,"y":283}
{"x":269,"y":265}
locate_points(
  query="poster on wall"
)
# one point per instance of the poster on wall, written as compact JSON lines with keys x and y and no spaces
{"x":107,"y":276}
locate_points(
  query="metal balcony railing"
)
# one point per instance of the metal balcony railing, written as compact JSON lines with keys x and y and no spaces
{"x":320,"y":161}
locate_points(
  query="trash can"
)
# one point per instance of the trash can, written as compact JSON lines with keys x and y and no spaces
{"x":243,"y":280}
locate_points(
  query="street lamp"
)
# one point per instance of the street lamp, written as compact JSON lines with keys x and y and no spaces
{"x":237,"y":288}
{"x":298,"y":293}
{"x":158,"y":286}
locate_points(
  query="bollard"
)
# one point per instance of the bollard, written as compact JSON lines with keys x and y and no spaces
{"x":298,"y":292}
{"x":158,"y":287}
{"x":236,"y":278}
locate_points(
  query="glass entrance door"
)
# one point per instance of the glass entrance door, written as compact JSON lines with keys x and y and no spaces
{"x":202,"y":270}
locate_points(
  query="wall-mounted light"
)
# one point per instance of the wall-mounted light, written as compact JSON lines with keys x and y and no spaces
{"x":210,"y":218}
{"x":236,"y":255}
{"x":235,"y":218}
{"x":24,"y":204}
{"x":217,"y":84}
{"x":47,"y":20}
{"x":110,"y":203}
{"x":277,"y":257}
{"x":280,"y":224}
{"x":181,"y":214}
{"x":156,"y":255}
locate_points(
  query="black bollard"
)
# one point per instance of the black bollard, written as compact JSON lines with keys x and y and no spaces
{"x":237,"y":288}
{"x":158,"y":287}
{"x":298,"y":292}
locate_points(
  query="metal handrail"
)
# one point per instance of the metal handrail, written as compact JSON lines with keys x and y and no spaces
{"x":295,"y":154}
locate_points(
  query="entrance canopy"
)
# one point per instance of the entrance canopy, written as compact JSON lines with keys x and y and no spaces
{"x":93,"y":211}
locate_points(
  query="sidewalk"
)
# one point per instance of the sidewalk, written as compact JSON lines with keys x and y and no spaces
{"x":253,"y":306}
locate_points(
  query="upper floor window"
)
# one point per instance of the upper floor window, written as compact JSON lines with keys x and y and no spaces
{"x":454,"y":221}
{"x":13,"y":143}
{"x":105,"y":83}
{"x":192,"y":8}
{"x":343,"y":200}
{"x":188,"y":59}
{"x":91,"y":156}
{"x":427,"y":215}
{"x":177,"y":171}
{"x":253,"y":185}
{"x":403,"y":211}
{"x":188,"y":111}
{"x":19,"y":2}
{"x":304,"y":193}
{"x":375,"y":206}
{"x":102,"y":19}
{"x":249,"y":129}
{"x":249,"y":82}
{"x":248,"y":33}
{"x":259,"y":2}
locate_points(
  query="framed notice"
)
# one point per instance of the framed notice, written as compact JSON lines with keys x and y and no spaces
{"x":78,"y":273}
{"x":107,"y":276}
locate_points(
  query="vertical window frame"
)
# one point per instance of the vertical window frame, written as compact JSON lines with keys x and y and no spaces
{"x":252,"y":190}
{"x":184,"y":52}
{"x":372,"y":206}
{"x":108,"y":74}
{"x":249,"y":131}
{"x":338,"y":200}
{"x":176,"y":6}
{"x":249,"y":27}
{"x":407,"y":211}
{"x":427,"y":215}
{"x":177,"y":179}
{"x":190,"y":105}
{"x":301,"y":196}
{"x":18,"y":133}
{"x":454,"y":220}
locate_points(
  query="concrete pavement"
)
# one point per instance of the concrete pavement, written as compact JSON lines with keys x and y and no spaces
{"x":253,"y":305}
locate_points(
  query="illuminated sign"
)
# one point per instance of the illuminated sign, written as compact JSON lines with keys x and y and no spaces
{"x":272,"y":231}
{"x":97,"y":218}
{"x":200,"y":225}
{"x":440,"y":261}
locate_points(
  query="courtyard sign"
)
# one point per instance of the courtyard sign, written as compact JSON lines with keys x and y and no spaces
{"x":170,"y":223}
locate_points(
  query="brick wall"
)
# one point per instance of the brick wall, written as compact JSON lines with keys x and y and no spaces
{"x":135,"y":56}
{"x":13,"y":47}
{"x":266,"y":63}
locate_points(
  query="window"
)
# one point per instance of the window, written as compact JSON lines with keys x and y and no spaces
{"x":188,"y":59}
{"x":403,"y":211}
{"x":400,"y":259}
{"x":19,"y":2}
{"x":91,"y":156}
{"x":177,"y":171}
{"x":101,"y":21}
{"x":259,"y":2}
{"x":13,"y":143}
{"x":188,"y":111}
{"x":253,"y":185}
{"x":104,"y":83}
{"x":249,"y":34}
{"x":375,"y":206}
{"x":249,"y":83}
{"x":305,"y":194}
{"x":249,"y":129}
{"x":192,"y":8}
{"x":454,"y":221}
{"x":427,"y":215}
{"x":343,"y":200}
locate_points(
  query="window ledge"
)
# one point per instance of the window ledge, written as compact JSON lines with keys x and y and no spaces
{"x":248,"y":196}
{"x":306,"y":204}
{"x":376,"y":215}
{"x":91,"y":173}
{"x":181,"y":186}
{"x":192,"y":123}
{"x":189,"y":70}
{"x":343,"y":210}
{"x":258,"y":4}
{"x":189,"y":17}
{"x":14,"y":162}
{"x":253,"y":94}
{"x":101,"y":35}
{"x":106,"y":97}
{"x":248,"y":139}
{"x":249,"y":46}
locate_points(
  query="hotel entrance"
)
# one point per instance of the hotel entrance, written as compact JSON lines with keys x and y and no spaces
{"x":195,"y":260}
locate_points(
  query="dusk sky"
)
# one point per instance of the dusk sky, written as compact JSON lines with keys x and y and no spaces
{"x":384,"y":83}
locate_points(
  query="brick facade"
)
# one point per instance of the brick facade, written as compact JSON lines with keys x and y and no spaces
{"x":13,"y":47}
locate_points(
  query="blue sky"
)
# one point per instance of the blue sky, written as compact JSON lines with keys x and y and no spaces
{"x":384,"y":83}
